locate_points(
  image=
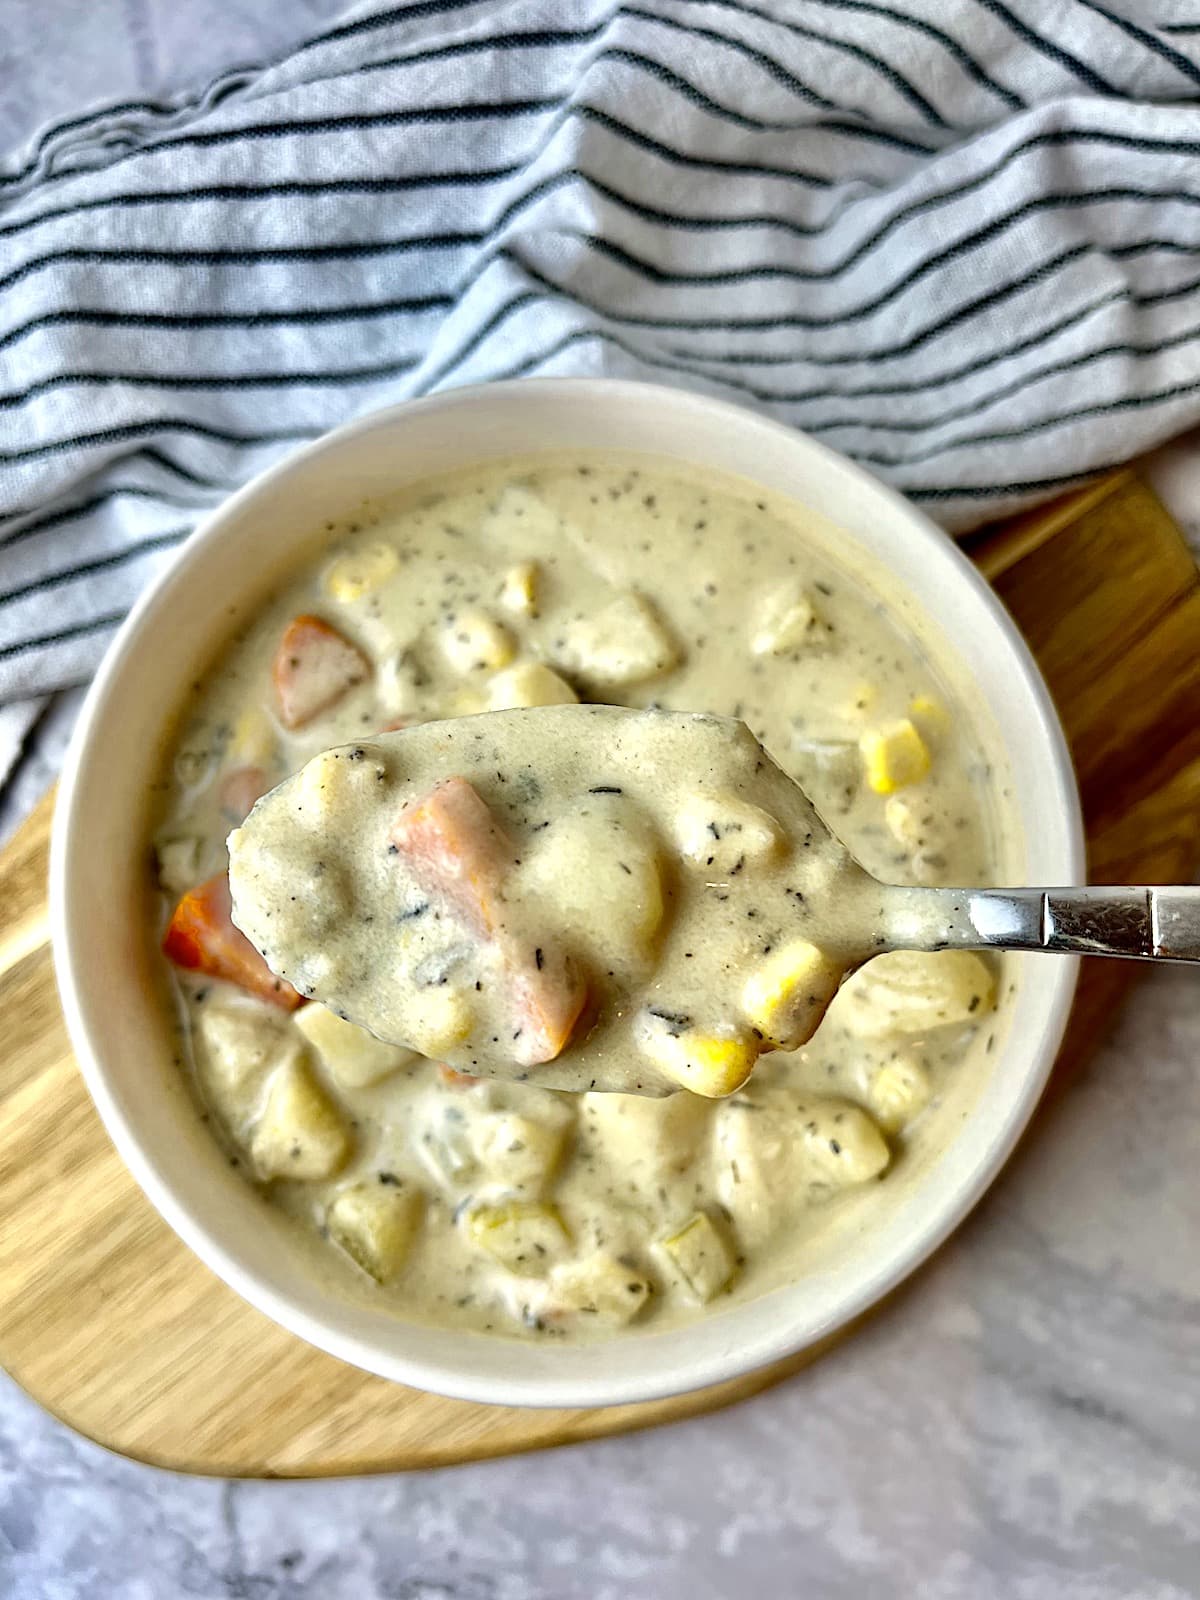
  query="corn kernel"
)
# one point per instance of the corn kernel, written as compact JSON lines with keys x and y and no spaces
{"x":789,"y":993}
{"x":518,"y":591}
{"x":930,"y":715}
{"x":712,"y":1065}
{"x":701,"y":1257}
{"x":529,"y":683}
{"x":439,"y":1019}
{"x":473,"y":641}
{"x":893,"y":756}
{"x":523,"y":1235}
{"x":252,"y":743}
{"x":361,"y":572}
{"x":899,"y":1091}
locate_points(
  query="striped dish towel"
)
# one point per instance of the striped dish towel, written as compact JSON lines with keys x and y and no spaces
{"x":958,"y":239}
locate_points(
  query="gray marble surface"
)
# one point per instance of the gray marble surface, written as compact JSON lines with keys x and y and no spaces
{"x":1022,"y":1422}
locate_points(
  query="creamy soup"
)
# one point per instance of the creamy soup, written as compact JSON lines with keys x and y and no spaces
{"x":582,"y":897}
{"x":517,"y":1206}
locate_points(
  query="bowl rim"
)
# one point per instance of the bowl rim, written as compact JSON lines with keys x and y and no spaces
{"x":534,"y":1387}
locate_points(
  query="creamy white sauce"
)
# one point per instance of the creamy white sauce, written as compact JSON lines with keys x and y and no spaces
{"x":509,"y":1206}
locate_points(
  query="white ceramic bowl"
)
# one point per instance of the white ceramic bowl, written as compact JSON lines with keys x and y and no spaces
{"x":100,"y":892}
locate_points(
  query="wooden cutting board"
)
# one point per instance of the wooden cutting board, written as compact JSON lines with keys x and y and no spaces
{"x":109,"y":1321}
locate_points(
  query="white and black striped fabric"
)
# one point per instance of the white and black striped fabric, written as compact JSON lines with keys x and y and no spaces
{"x":958,"y":239}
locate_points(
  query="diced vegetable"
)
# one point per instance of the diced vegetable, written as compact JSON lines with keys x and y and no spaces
{"x":361,"y":572}
{"x":841,"y":1142}
{"x":720,"y":832}
{"x":178,"y":861}
{"x":201,"y":937}
{"x":786,"y":997}
{"x":600,"y":866}
{"x":253,"y":742}
{"x":439,"y":1017}
{"x":518,"y":590}
{"x":240,"y":789}
{"x":239,"y":1045}
{"x":526,"y":1236}
{"x":442,"y":1138}
{"x":595,"y":1292}
{"x":375,"y":1223}
{"x":518,"y":1153}
{"x":454,"y":1079}
{"x":701,"y":1256}
{"x":911,"y":991}
{"x":898,"y":1091}
{"x":314,"y":667}
{"x":529,"y":683}
{"x":472,"y":641}
{"x":628,"y":1129}
{"x":831,"y":769}
{"x":894,"y":756}
{"x":930,"y":716}
{"x":788,"y":623}
{"x":709,"y":1064}
{"x":903,"y":820}
{"x":301,"y":1133}
{"x":623,"y":643}
{"x":451,"y":844}
{"x":354,"y":1058}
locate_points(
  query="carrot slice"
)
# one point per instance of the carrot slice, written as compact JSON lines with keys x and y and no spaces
{"x":453,"y":1079}
{"x":547,"y":1001}
{"x":454,"y":848}
{"x":240,"y":789}
{"x":314,"y":667}
{"x":201,"y":937}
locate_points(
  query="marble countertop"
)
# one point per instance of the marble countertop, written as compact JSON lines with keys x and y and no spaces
{"x":1022,"y":1422}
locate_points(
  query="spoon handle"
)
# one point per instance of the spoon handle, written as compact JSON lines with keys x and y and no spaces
{"x":1147,"y":923}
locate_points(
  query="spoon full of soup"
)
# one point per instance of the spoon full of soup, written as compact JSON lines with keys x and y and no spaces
{"x":588,"y":897}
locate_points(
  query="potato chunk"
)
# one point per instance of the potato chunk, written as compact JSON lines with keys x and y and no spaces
{"x":240,"y":1044}
{"x":721,"y":833}
{"x":898,"y":1091}
{"x":623,"y":643}
{"x":701,"y":1257}
{"x":912,"y":991}
{"x":374,"y":1223}
{"x":529,"y":683}
{"x":787,"y":623}
{"x":473,"y":641}
{"x":842,"y":1144}
{"x":301,"y":1133}
{"x":599,"y":867}
{"x":518,"y":1153}
{"x":526,"y":1236}
{"x":595,"y":1292}
{"x":628,"y":1131}
{"x":354,"y":1058}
